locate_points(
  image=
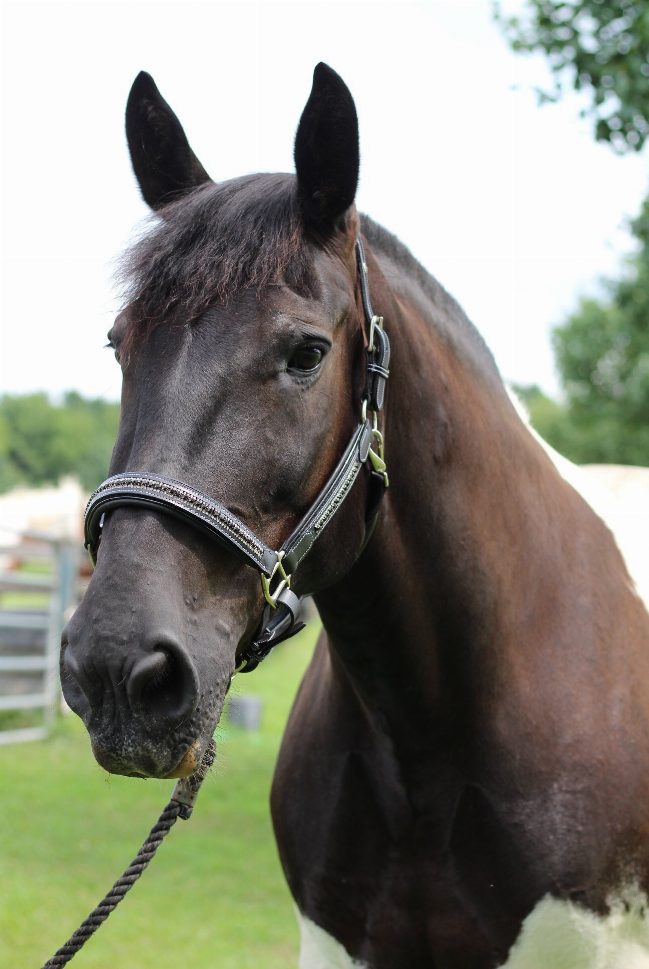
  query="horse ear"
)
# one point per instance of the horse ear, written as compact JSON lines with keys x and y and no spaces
{"x":326,"y":150}
{"x":164,"y":164}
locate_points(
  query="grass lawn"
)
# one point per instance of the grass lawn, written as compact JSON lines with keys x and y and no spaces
{"x":214,"y":896}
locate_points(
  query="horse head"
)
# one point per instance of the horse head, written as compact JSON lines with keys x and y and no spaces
{"x":242,"y":350}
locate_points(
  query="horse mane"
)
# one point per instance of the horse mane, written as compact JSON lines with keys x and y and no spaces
{"x":250,"y":232}
{"x":208,"y":246}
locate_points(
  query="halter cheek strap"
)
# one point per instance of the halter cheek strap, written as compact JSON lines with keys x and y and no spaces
{"x":281,"y":614}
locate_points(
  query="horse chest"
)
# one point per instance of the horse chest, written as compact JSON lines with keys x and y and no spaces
{"x":471,"y":883}
{"x":555,"y":933}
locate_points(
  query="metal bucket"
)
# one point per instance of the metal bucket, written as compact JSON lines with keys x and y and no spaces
{"x":245,"y":711}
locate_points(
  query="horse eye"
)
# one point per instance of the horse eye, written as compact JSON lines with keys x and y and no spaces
{"x":111,"y":346}
{"x":306,"y":359}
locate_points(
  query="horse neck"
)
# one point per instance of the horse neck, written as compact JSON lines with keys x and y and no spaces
{"x":465,"y":546}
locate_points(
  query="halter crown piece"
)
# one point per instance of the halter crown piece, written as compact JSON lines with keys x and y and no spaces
{"x":281,"y":614}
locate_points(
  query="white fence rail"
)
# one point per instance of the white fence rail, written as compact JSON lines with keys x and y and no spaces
{"x":34,"y":607}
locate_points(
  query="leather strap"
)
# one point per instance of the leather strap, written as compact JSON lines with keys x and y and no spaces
{"x":301,"y":539}
{"x":362,"y":275}
{"x":378,"y":362}
{"x":274,"y":629}
{"x":156,"y":492}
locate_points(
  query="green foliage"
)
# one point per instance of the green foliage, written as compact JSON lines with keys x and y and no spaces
{"x":550,"y":418}
{"x":602,"y":48}
{"x":603,"y":356}
{"x":602,"y":353}
{"x":41,"y":442}
{"x":602,"y":350}
{"x":577,"y":436}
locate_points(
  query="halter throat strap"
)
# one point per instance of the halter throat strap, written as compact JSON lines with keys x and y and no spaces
{"x":158,"y":493}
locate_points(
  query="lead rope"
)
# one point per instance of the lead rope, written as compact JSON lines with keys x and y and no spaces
{"x":181,"y":805}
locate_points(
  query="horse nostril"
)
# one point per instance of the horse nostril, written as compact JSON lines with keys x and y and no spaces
{"x":163,"y":685}
{"x":80,"y":692}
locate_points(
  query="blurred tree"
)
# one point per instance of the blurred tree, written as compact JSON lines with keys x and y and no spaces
{"x":41,"y":442}
{"x":602,"y":351}
{"x":603,"y":356}
{"x":601,"y":47}
{"x":9,"y":475}
{"x":550,"y":418}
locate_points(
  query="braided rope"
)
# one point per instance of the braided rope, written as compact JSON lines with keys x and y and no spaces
{"x":111,"y":900}
{"x":99,"y":914}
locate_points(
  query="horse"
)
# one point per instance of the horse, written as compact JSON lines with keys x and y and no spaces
{"x":464,"y":778}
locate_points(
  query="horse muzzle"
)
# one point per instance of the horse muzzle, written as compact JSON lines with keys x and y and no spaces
{"x":145,"y":713}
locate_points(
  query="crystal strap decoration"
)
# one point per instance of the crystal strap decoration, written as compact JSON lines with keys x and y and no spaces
{"x":174,"y":497}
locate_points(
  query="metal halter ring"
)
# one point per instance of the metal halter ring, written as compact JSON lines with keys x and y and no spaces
{"x":285,"y":582}
{"x":378,"y":460}
{"x":374,"y":322}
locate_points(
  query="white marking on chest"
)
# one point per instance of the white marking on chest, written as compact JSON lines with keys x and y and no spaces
{"x":560,"y":935}
{"x":319,"y":950}
{"x":619,"y":496}
{"x":555,"y":935}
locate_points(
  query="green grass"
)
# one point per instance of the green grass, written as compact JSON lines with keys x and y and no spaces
{"x":214,"y":896}
{"x":19,"y":719}
{"x":24,"y":600}
{"x":28,"y":600}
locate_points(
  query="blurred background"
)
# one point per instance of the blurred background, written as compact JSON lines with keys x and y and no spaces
{"x":503,"y":144}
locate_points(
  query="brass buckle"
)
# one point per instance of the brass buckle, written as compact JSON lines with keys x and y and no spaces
{"x":284,"y":583}
{"x":374,"y":322}
{"x":378,"y":460}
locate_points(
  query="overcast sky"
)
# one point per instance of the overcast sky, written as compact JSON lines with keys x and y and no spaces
{"x":512,"y":207}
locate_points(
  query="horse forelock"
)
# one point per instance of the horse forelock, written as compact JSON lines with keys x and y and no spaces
{"x":248,"y":233}
{"x":207,"y":247}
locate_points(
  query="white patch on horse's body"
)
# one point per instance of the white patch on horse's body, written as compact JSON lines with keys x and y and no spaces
{"x":561,"y":935}
{"x":319,"y":950}
{"x":619,"y":496}
{"x":555,"y":935}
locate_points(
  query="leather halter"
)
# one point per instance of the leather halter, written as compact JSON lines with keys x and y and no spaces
{"x":280,"y":619}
